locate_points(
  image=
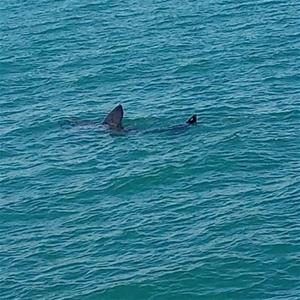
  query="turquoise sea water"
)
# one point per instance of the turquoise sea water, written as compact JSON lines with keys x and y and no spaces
{"x":209,"y":213}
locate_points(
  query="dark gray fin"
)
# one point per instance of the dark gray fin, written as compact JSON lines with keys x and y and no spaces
{"x":192,"y":120}
{"x":114,"y":118}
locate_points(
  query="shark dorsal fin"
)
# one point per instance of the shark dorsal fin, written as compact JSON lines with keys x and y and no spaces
{"x":114,"y":118}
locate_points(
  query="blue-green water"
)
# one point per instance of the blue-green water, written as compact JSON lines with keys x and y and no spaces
{"x":209,"y":213}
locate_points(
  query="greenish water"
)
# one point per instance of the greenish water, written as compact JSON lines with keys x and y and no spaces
{"x":208,"y":213}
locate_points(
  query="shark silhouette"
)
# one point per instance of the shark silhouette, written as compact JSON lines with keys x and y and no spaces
{"x":114,"y":121}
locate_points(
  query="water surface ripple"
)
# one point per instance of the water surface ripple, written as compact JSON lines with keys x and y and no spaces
{"x":209,"y":213}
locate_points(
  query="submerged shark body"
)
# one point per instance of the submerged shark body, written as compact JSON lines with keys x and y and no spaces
{"x":114,"y":121}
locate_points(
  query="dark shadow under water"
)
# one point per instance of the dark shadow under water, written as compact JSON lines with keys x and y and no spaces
{"x":75,"y":122}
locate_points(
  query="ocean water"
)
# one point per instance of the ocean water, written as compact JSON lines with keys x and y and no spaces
{"x":212,"y":212}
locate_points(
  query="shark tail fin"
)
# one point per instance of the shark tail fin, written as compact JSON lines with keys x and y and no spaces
{"x":115,"y":117}
{"x":192,"y":119}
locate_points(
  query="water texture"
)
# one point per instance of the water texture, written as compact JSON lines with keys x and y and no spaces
{"x":209,"y":213}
